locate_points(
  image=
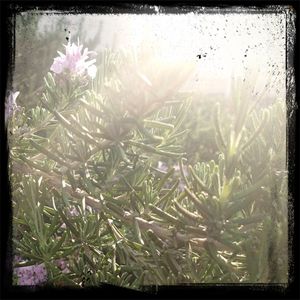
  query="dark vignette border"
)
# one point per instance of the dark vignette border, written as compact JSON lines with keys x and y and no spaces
{"x":8,"y":10}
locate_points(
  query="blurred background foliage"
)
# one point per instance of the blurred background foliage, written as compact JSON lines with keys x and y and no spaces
{"x":215,"y":213}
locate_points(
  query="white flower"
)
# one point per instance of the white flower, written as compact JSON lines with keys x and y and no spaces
{"x":74,"y":61}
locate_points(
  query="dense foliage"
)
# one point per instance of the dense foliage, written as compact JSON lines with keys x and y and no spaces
{"x":127,"y":180}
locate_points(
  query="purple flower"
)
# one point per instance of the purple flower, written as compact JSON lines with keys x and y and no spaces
{"x":73,"y":212}
{"x":11,"y":105}
{"x":63,"y":265}
{"x":17,"y":259}
{"x":74,"y":61}
{"x":162,"y":166}
{"x":31,"y":275}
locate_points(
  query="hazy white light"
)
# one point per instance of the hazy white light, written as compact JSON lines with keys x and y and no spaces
{"x":230,"y":45}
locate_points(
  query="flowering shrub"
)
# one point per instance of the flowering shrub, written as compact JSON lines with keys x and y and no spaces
{"x":103,"y":191}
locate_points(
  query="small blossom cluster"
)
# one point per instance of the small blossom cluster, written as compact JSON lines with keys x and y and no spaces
{"x":36,"y":274}
{"x":31,"y":275}
{"x":11,"y":105}
{"x":63,"y":265}
{"x":74,"y":61}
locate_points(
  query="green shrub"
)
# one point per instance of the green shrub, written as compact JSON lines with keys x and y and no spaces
{"x":87,"y":186}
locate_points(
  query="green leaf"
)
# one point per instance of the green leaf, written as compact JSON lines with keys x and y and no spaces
{"x":219,"y":135}
{"x":137,"y":231}
{"x":58,"y":245}
{"x":257,"y":131}
{"x":164,"y":200}
{"x":49,"y":154}
{"x":165,"y":216}
{"x":69,"y":224}
{"x":200,"y":207}
{"x":157,"y":124}
{"x":199,"y":182}
{"x":165,"y":178}
{"x":187,"y":214}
